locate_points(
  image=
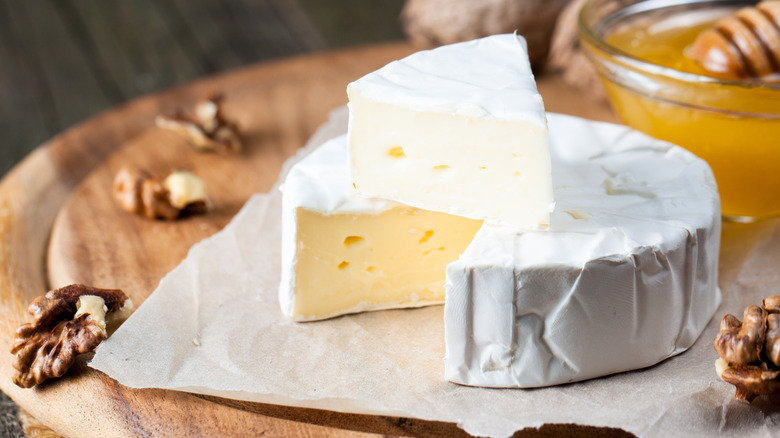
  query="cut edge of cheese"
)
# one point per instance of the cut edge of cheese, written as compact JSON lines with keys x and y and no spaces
{"x":343,"y":254}
{"x":459,"y":129}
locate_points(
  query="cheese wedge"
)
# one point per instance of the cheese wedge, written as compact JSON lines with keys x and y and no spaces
{"x":344,"y":254}
{"x":459,"y":129}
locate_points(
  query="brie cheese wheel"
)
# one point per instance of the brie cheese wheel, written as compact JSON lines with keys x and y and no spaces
{"x":344,"y":254}
{"x":625,"y":276}
{"x":459,"y":129}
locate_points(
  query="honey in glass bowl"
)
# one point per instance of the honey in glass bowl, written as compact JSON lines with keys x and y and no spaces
{"x":640,"y":51}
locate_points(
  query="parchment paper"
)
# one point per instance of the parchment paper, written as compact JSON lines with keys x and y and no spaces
{"x":213,"y":326}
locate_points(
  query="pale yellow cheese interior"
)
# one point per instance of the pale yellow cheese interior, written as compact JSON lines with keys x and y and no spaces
{"x":354,"y":262}
{"x":471,"y":166}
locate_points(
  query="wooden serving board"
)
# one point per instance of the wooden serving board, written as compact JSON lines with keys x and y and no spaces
{"x":59,"y":225}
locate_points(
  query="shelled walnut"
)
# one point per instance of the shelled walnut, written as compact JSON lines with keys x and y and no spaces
{"x":180,"y":193}
{"x":207,"y":129}
{"x":749,"y":350}
{"x":66,"y":322}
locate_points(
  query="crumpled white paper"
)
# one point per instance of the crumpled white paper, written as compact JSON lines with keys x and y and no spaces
{"x":213,"y":326}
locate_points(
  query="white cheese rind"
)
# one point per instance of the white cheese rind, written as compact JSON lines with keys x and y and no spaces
{"x":487,"y":78}
{"x":460,"y":129}
{"x":625,"y":277}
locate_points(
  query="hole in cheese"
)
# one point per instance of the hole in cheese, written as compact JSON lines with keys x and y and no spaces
{"x":428,"y":234}
{"x":396,"y":152}
{"x":351,"y":240}
{"x":517,"y":173}
{"x":343,"y":264}
{"x":370,"y":269}
{"x":441,"y":167}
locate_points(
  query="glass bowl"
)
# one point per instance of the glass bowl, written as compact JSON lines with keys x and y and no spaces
{"x":733,"y":124}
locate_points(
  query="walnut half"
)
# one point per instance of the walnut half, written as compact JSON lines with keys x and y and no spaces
{"x":749,"y":350}
{"x":66,"y":322}
{"x":207,"y":129}
{"x":181,"y":193}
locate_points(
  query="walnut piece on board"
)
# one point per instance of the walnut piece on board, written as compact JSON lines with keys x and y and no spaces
{"x":749,"y":350}
{"x":180,"y":194}
{"x":206,"y":128}
{"x":67,"y":322}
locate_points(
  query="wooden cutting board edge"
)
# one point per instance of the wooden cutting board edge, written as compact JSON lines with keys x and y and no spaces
{"x":88,"y":403}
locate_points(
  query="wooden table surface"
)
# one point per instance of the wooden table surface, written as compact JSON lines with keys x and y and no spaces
{"x":93,"y":242}
{"x":63,"y":61}
{"x":56,"y":206}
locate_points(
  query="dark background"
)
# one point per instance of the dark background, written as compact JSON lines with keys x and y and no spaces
{"x":62,"y":61}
